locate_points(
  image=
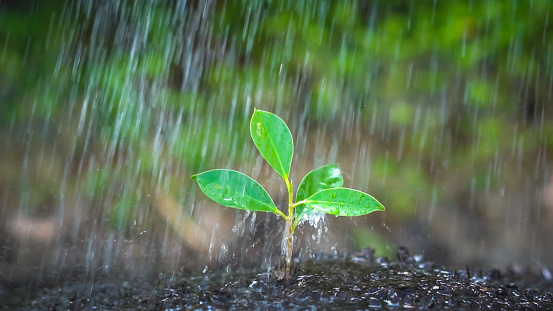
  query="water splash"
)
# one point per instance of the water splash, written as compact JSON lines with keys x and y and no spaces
{"x":109,"y":106}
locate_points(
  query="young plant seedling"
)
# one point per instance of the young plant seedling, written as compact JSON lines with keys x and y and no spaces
{"x":320,"y":190}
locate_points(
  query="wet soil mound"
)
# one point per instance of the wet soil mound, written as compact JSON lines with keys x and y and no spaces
{"x":348,"y":282}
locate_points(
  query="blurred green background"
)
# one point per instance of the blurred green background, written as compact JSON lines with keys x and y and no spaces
{"x":440,"y":109}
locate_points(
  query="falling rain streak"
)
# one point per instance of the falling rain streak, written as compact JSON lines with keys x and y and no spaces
{"x":108,"y":107}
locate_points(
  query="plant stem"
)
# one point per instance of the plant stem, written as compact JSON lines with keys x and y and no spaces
{"x":281,"y":214}
{"x":289,"y":228}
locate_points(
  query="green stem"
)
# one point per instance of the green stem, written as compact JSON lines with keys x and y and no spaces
{"x":295,"y":224}
{"x":289,"y":228}
{"x":281,"y":214}
{"x":298,"y":203}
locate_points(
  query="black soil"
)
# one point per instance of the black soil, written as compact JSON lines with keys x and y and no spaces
{"x":348,"y":282}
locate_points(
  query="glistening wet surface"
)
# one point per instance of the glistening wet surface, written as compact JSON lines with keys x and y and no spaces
{"x":347,"y":282}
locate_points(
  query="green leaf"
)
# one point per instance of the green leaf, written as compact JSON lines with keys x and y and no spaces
{"x":324,"y":177}
{"x":234,"y":189}
{"x":273,"y":140}
{"x":343,"y":202}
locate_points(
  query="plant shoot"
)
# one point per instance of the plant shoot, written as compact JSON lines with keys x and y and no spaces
{"x":320,"y":190}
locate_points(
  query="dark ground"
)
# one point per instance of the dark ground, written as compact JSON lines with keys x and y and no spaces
{"x":348,"y":282}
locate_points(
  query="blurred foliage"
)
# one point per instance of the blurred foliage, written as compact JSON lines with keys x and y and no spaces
{"x":151,"y":91}
{"x":449,"y":78}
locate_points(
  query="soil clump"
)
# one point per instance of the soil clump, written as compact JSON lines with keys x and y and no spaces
{"x":353,"y":281}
